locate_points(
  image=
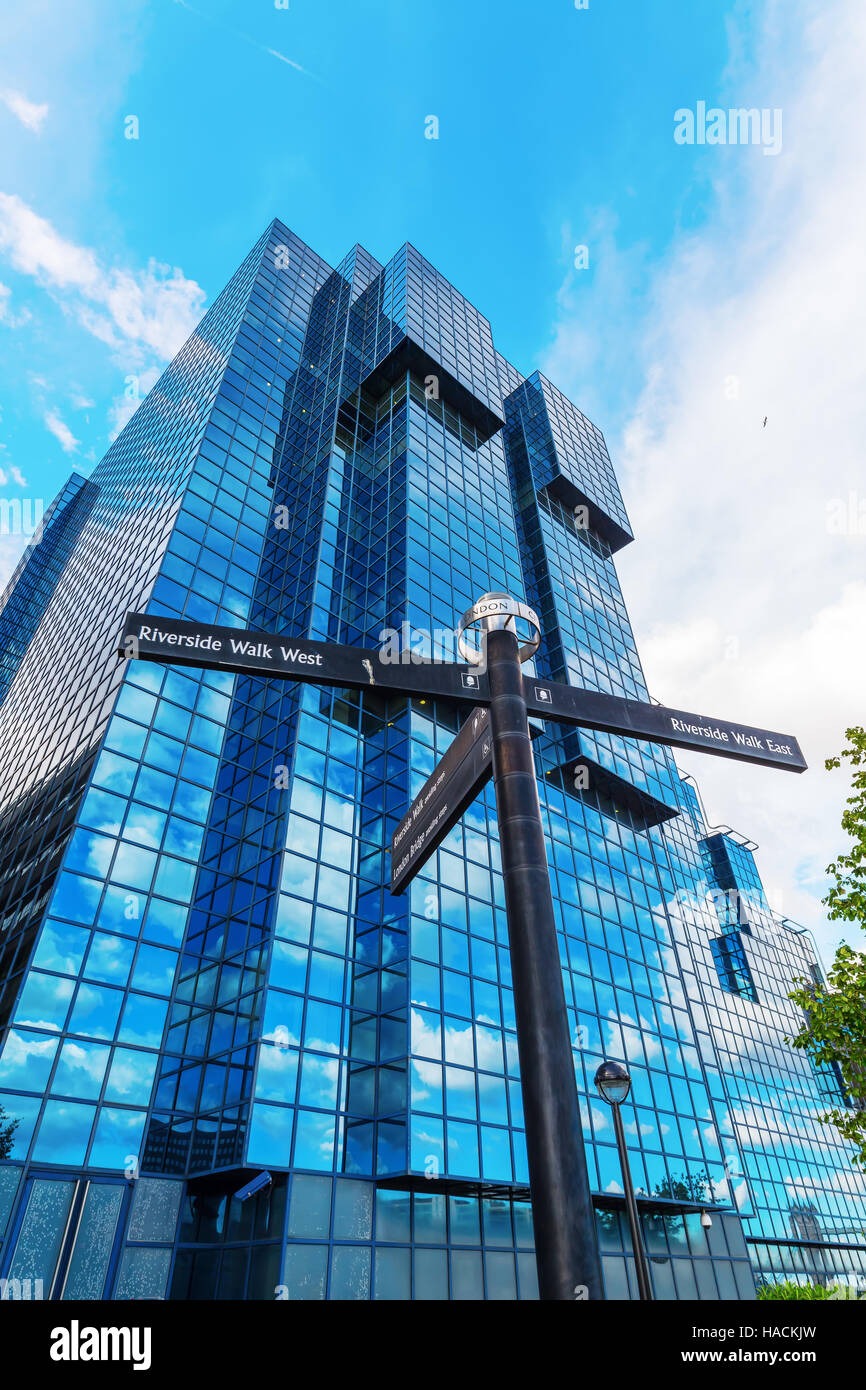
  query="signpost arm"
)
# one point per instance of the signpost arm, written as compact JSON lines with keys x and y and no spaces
{"x":565,"y":1240}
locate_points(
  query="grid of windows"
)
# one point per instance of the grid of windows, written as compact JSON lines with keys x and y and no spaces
{"x":732,"y":965}
{"x":581,"y":451}
{"x":32,"y":584}
{"x":566,"y":454}
{"x":55,"y":714}
{"x":105,"y":966}
{"x":807,"y":1200}
{"x":587,"y":635}
{"x":416,"y":301}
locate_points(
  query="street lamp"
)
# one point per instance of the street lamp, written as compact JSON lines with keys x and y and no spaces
{"x":613,"y":1084}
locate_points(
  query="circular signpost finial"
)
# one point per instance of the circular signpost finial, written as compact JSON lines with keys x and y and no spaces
{"x":494,"y":611}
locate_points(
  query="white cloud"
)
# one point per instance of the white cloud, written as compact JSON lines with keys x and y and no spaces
{"x":61,"y":431}
{"x":29,"y":113}
{"x":746,"y":603}
{"x":6,"y":315}
{"x":146,"y":312}
{"x":12,"y":474}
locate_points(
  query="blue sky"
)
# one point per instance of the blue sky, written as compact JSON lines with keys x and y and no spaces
{"x":707,"y":264}
{"x":547,"y":115}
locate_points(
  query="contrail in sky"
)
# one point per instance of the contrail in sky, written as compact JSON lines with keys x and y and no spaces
{"x":239,"y":34}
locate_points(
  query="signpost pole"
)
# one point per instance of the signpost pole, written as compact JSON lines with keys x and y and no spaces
{"x":565,"y":1240}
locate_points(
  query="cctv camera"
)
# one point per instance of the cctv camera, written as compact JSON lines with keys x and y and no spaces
{"x":256,"y":1184}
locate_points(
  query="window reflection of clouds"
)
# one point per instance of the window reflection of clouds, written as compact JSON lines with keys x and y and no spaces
{"x":64,"y":1132}
{"x":80,"y":1070}
{"x":25,"y":1062}
{"x":96,"y":1011}
{"x":44,"y":1001}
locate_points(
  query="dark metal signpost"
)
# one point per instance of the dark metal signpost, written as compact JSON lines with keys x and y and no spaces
{"x":633,"y":719}
{"x":450,"y":789}
{"x":494,"y":739}
{"x":295,"y":659}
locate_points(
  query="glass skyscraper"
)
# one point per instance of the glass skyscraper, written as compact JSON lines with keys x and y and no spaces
{"x":203,"y":975}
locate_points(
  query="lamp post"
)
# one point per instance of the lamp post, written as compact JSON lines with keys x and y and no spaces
{"x":613,"y":1084}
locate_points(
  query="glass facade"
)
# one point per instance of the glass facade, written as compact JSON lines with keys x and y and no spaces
{"x":203,"y":974}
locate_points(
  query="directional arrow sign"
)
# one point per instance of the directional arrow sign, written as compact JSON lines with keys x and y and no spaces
{"x":292,"y":658}
{"x":325,"y":663}
{"x":450,"y":789}
{"x":633,"y":719}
